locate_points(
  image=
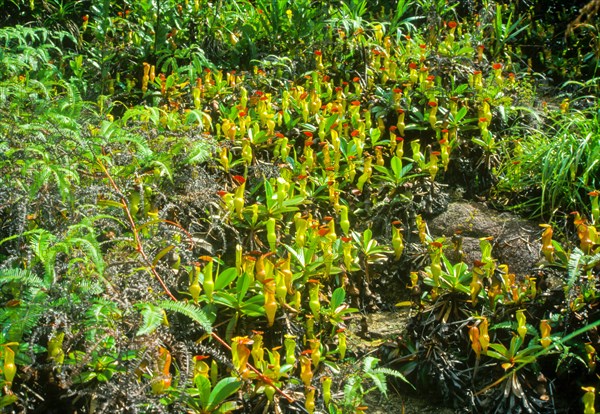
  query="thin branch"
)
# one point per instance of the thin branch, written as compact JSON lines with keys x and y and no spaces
{"x":136,"y":237}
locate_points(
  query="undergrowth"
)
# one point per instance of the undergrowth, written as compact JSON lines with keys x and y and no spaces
{"x":197,"y":197}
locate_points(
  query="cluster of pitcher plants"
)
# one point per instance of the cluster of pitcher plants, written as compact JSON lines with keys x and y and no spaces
{"x":191,"y":237}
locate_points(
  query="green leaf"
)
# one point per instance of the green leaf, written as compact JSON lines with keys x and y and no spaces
{"x":379,"y":381}
{"x":162,"y":253}
{"x":329,"y":122}
{"x":227,"y":407}
{"x":200,"y":152}
{"x":103,"y":377}
{"x":298,"y":255}
{"x":462,"y":112}
{"x":269,"y":198}
{"x":225,"y":278}
{"x":203,"y":386}
{"x":223,"y":390}
{"x":500,"y":349}
{"x":254,"y":307}
{"x":369,"y":363}
{"x":375,"y":134}
{"x":163,"y":168}
{"x":396,"y":164}
{"x":85,"y":377}
{"x":337,"y":297}
{"x":110,"y":203}
{"x":574,"y":266}
{"x":367,"y":236}
{"x":242,"y":286}
{"x":202,"y":118}
{"x":292,"y":202}
{"x":7,"y":400}
{"x":460,"y":88}
{"x":226,"y":299}
{"x":394,"y":373}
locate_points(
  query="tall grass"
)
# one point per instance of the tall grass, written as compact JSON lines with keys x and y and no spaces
{"x":554,"y":166}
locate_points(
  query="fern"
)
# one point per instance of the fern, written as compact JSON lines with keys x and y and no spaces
{"x":22,"y":276}
{"x":118,"y":136}
{"x":200,"y":152}
{"x":152,"y":318}
{"x":102,"y":311}
{"x":370,"y":376}
{"x":574,"y":267}
{"x":19,"y":321}
{"x":143,"y":114}
{"x":90,"y":287}
{"x":153,"y":315}
{"x":92,"y":248}
{"x":592,"y":261}
{"x":30,"y":292}
{"x":191,"y":311}
{"x":388,"y":372}
{"x":352,"y":395}
{"x":46,"y":246}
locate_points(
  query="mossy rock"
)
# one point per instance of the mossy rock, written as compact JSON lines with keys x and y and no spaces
{"x":515,"y":241}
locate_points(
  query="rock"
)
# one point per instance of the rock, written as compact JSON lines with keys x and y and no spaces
{"x":386,"y":325}
{"x":369,"y":330}
{"x":515,"y":240}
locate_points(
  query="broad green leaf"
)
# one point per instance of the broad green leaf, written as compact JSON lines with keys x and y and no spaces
{"x":330,"y":121}
{"x":337,"y":297}
{"x":226,"y":299}
{"x":269,"y":198}
{"x":500,"y":349}
{"x":223,"y":390}
{"x":228,"y":407}
{"x":203,"y":386}
{"x":396,"y":164}
{"x":242,"y":285}
{"x":110,"y":203}
{"x":375,"y":134}
{"x":225,"y":278}
{"x":7,"y":400}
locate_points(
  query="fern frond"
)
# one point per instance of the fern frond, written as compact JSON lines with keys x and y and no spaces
{"x":379,"y":381}
{"x":163,"y":167}
{"x":102,"y":310}
{"x":15,"y":321}
{"x":18,"y":321}
{"x":92,"y":248}
{"x":23,"y":276}
{"x":191,"y":311}
{"x":41,"y":243}
{"x":592,"y":261}
{"x":152,"y":318}
{"x":392,"y":373}
{"x":90,"y":287}
{"x":574,"y":266}
{"x":503,"y":325}
{"x":200,"y":152}
{"x":144,"y":150}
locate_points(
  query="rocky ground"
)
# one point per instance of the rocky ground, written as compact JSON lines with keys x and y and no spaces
{"x":515,"y":243}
